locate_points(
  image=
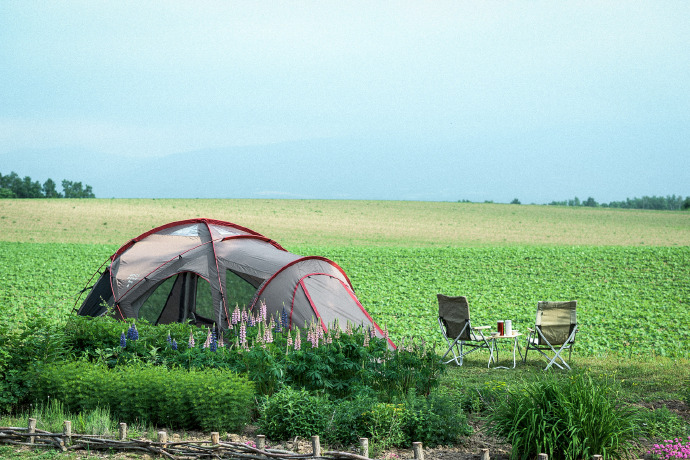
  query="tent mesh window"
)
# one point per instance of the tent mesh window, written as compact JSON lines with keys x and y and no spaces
{"x":239,"y":292}
{"x":152,"y":308}
{"x":204,"y":301}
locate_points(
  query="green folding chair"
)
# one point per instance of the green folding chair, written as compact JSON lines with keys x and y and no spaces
{"x":462,"y":338}
{"x":554,"y":332}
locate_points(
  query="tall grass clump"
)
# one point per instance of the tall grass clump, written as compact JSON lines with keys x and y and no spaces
{"x":566,"y":418}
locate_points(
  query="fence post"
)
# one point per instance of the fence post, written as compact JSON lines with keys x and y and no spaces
{"x":260,"y":441}
{"x":543,"y":457}
{"x":67,"y":431}
{"x":123,"y":431}
{"x":215,"y":438}
{"x":316,"y":446}
{"x":32,"y":429}
{"x":418,"y":450}
{"x":485,"y":454}
{"x":163,"y":438}
{"x":364,"y":447}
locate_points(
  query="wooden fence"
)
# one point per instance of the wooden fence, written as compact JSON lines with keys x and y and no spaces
{"x":213,"y":448}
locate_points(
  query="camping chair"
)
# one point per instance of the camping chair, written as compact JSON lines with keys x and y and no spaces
{"x":454,"y":321}
{"x":556,"y":326}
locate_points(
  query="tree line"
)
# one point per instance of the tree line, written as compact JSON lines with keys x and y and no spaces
{"x":13,"y":186}
{"x":662,"y":203}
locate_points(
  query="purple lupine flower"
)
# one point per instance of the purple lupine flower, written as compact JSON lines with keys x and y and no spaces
{"x":236,"y":315}
{"x":276,"y":325}
{"x":174,"y":344}
{"x":252,"y":320}
{"x":284,"y":318}
{"x":132,"y":333}
{"x":169,"y":339}
{"x":191,"y":342}
{"x":123,"y":340}
{"x":214,"y":341}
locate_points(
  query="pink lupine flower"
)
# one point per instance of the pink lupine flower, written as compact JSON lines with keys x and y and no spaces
{"x":243,"y":334}
{"x":263,"y":311}
{"x":207,"y":343}
{"x":236,"y":316}
{"x":298,"y":340}
{"x":289,"y":339}
{"x":191,"y":343}
{"x":244,"y":317}
{"x":366,"y":340}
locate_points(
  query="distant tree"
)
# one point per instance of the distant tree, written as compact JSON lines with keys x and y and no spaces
{"x":590,"y":202}
{"x":515,"y":201}
{"x":6,"y":193}
{"x":76,"y":190}
{"x":686,"y":203}
{"x":50,"y":189}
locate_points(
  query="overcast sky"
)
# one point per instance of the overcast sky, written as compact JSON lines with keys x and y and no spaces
{"x":535,"y":100}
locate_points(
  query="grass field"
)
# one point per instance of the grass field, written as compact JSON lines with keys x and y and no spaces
{"x":348,"y":223}
{"x":399,"y":255}
{"x":629,"y":270}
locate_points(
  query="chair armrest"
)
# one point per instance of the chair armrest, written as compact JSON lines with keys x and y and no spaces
{"x":476,"y":328}
{"x":530,"y":329}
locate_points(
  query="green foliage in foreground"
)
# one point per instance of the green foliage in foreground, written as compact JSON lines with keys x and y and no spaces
{"x":630,"y":299}
{"x":566,"y":418}
{"x":209,"y":400}
{"x":435,"y":420}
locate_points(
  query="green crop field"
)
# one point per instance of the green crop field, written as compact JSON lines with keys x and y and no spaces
{"x":628,"y":270}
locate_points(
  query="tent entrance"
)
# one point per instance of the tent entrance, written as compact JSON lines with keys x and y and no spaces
{"x":178,"y":299}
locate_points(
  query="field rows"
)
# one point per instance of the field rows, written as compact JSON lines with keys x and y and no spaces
{"x":632,"y":300}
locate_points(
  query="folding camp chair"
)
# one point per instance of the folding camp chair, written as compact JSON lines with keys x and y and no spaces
{"x":454,"y":321}
{"x":554,"y":331}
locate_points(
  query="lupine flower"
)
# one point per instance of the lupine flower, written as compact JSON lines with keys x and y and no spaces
{"x":174,"y":344}
{"x":372,"y":332}
{"x":123,"y":340}
{"x":385,"y":333}
{"x":214,"y":341}
{"x":243,"y":334}
{"x":276,"y":325}
{"x":207,"y":343}
{"x":329,"y":340}
{"x":366,"y":341}
{"x":263,"y":311}
{"x":191,"y":342}
{"x":285,"y":318}
{"x":289,"y":339}
{"x":221,"y":342}
{"x":348,"y":328}
{"x":268,"y":335}
{"x":169,"y":339}
{"x":132,"y":333}
{"x":236,"y":316}
{"x":298,"y":340}
{"x":244,"y":317}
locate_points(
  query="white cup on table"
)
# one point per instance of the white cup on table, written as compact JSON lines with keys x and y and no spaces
{"x":507,"y":327}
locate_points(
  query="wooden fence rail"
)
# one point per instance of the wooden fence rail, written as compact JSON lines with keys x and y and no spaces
{"x":214,"y":448}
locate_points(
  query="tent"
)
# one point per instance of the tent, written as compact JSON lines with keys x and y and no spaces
{"x":199,"y":270}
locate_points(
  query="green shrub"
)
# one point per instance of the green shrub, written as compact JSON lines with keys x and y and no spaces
{"x":210,"y":400}
{"x":289,"y":413}
{"x":566,"y":418}
{"x":435,"y":420}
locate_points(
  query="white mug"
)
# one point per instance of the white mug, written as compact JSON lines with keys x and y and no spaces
{"x":507,"y":327}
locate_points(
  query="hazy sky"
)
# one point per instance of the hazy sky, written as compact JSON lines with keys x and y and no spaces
{"x":529,"y":99}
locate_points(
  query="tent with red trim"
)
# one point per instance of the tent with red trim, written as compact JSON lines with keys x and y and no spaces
{"x":199,"y":270}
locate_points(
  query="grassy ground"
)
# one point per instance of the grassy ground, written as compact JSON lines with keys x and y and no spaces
{"x":646,"y":379}
{"x":347,"y":223}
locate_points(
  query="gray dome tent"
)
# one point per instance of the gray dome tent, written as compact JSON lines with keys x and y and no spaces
{"x":198,"y":270}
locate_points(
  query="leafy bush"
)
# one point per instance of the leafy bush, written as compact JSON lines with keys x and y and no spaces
{"x":435,"y":420}
{"x":566,"y":418}
{"x":210,"y":400}
{"x":289,"y":413}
